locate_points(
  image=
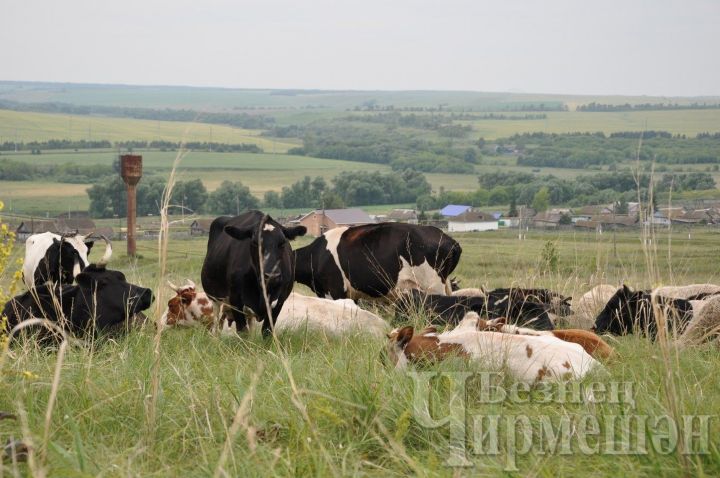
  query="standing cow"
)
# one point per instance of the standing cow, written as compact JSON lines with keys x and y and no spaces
{"x":233,"y":274}
{"x":375,"y":260}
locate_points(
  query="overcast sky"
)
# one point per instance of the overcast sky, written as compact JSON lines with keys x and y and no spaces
{"x":631,"y":47}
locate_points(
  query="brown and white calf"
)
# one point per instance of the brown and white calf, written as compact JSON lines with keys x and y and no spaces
{"x":526,"y":358}
{"x":589,"y":341}
{"x":189,"y":307}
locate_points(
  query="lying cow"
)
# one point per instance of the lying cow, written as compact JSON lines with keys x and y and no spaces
{"x":629,"y":310}
{"x":58,"y":259}
{"x":452,"y":309}
{"x":526,"y":358}
{"x":101,"y":301}
{"x":377,"y":260}
{"x":333,"y":318}
{"x":688,"y":292}
{"x":591,"y":342}
{"x":233,"y":273}
{"x":559,"y":304}
{"x":188,"y":307}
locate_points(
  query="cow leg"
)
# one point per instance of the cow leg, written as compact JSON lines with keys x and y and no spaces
{"x":236,"y":311}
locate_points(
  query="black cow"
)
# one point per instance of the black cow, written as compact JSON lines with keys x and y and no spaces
{"x":558,"y":303}
{"x":231,"y":271}
{"x":373,"y":260}
{"x":451,"y":309}
{"x":101,"y":301}
{"x":628,"y":310}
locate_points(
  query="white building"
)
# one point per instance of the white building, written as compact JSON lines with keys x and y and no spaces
{"x":470,"y":221}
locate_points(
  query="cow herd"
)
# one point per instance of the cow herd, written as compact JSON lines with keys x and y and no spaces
{"x":250,"y":269}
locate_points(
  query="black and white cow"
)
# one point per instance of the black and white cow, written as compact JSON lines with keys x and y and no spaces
{"x":376,"y":260}
{"x":231,"y":272}
{"x":101,"y":301}
{"x":59,"y":259}
{"x":452,"y":309}
{"x":629,"y":310}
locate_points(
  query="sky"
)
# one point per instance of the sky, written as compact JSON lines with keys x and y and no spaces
{"x":609,"y":47}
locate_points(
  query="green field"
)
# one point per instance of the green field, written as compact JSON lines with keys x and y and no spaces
{"x":27,"y":126}
{"x":332,"y":407}
{"x":295,"y":101}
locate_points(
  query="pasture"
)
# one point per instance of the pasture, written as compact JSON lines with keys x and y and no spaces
{"x":27,"y":126}
{"x":306,"y":405}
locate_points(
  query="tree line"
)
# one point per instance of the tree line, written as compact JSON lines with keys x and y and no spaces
{"x":601,"y":107}
{"x":588,"y":150}
{"x":76,"y":145}
{"x":510,"y":187}
{"x":11,"y":170}
{"x":398,"y":148}
{"x":108,"y":197}
{"x":239,"y":120}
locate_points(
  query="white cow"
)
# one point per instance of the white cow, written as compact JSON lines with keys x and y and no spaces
{"x":526,"y":358}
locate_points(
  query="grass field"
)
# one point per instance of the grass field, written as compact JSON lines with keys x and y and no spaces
{"x":306,"y":405}
{"x":25,"y":126}
{"x":688,"y":122}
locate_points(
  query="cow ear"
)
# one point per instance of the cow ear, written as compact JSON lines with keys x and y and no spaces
{"x":404,"y":336}
{"x":293,"y":232}
{"x":89,"y":244}
{"x":237,"y":233}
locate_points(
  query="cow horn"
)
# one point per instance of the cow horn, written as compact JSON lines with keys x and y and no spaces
{"x":190,"y":283}
{"x":173,"y":286}
{"x":108,"y":252}
{"x":82,"y":237}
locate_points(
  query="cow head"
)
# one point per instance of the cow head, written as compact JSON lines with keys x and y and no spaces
{"x":188,"y":307}
{"x":561,"y":306}
{"x":622,"y":312}
{"x":405,"y":346}
{"x":105,"y":299}
{"x":277,"y":266}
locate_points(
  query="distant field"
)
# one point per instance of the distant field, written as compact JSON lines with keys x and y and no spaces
{"x":688,"y":122}
{"x":269,"y":101}
{"x":24,"y":126}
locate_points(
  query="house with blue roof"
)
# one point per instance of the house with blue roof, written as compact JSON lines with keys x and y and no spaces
{"x":452,"y":210}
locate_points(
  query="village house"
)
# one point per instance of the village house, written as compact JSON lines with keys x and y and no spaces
{"x":471,"y":221}
{"x":664,"y":216}
{"x":29,"y":227}
{"x":402,"y":215}
{"x":698,"y":216}
{"x":319,"y":221}
{"x":452,"y":210}
{"x":200,"y":227}
{"x":77,"y":225}
{"x":547,"y":220}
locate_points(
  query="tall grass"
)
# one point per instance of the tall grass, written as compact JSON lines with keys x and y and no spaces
{"x":188,"y":403}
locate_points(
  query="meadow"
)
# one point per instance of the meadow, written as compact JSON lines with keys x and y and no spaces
{"x":28,"y":126}
{"x":307,"y":405}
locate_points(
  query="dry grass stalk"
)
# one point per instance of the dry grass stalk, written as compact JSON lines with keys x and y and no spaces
{"x":162,"y":265}
{"x":239,"y":420}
